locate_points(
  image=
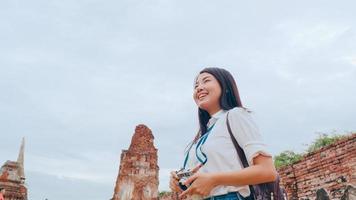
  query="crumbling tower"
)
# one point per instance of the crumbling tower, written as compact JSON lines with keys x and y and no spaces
{"x":138,"y":173}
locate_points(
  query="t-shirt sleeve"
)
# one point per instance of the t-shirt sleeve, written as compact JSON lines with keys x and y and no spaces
{"x":247,"y":134}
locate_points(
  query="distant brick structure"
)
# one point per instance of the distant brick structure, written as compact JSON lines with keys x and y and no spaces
{"x":12,"y":177}
{"x":169,"y":196}
{"x":138,"y":173}
{"x":174,"y":196}
{"x":331,"y":168}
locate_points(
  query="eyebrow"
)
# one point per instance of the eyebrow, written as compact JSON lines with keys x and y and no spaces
{"x":205,"y":77}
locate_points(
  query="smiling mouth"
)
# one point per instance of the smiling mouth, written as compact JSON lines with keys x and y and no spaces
{"x":201,"y":96}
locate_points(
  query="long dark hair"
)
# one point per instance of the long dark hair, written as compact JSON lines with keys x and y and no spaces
{"x":229,"y":98}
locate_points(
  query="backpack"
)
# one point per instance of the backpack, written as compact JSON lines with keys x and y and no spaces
{"x":263,"y":191}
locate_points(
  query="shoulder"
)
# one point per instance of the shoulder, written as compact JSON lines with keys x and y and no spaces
{"x":239,"y":112}
{"x":241,"y":116}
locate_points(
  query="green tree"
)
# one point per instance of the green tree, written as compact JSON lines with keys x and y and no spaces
{"x":286,"y":158}
{"x":289,"y":157}
{"x":324,"y":140}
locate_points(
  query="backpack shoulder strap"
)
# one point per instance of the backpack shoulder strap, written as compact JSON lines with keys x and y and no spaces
{"x":238,"y":148}
{"x":260,"y":188}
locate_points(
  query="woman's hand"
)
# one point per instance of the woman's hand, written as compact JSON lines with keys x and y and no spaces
{"x":201,"y":184}
{"x":173,"y":183}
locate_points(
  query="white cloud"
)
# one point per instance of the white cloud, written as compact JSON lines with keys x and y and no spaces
{"x":77,"y":169}
{"x":348,"y":59}
{"x":312,"y":34}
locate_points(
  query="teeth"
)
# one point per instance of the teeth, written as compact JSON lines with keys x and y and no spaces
{"x":201,"y":96}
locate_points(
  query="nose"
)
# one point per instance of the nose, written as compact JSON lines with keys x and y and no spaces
{"x":199,"y":88}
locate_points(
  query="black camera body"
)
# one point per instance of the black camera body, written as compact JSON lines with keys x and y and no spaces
{"x":183,"y":175}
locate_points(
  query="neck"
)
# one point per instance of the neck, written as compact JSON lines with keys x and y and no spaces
{"x":213,"y":111}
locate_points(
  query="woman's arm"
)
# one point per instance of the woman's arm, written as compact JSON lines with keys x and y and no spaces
{"x":262,"y":171}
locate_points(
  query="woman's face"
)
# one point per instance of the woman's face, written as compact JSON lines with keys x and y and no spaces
{"x":207,"y":93}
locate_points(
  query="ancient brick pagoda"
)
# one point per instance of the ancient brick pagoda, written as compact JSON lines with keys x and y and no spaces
{"x":12,"y":177}
{"x":138,"y":173}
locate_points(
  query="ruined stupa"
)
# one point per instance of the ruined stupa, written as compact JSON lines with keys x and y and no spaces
{"x":138,"y":173}
{"x":12,"y":177}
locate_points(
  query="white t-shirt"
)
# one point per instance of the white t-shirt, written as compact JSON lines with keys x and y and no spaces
{"x":220,"y":151}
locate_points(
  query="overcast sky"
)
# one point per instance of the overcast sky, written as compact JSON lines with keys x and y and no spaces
{"x":76,"y":77}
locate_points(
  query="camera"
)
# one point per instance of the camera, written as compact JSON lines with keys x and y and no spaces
{"x":183,"y":175}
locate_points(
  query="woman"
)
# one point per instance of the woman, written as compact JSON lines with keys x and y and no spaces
{"x":212,"y":155}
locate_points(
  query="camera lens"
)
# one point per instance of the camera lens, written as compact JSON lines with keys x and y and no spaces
{"x":183,"y":187}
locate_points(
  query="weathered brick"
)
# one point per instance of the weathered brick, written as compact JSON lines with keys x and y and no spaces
{"x":331,"y":168}
{"x":138,"y":171}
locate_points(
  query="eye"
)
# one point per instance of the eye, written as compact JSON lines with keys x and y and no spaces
{"x":206,"y":80}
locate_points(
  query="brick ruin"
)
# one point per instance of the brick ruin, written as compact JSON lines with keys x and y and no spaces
{"x":138,"y":172}
{"x":328,"y":171}
{"x":12,"y":177}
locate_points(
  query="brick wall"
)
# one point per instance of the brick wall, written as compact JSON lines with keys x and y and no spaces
{"x":331,"y":168}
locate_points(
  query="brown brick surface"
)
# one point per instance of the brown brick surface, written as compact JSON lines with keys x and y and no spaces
{"x":138,"y":172}
{"x":331,"y":168}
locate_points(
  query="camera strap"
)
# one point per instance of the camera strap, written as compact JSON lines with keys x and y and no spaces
{"x":200,"y":143}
